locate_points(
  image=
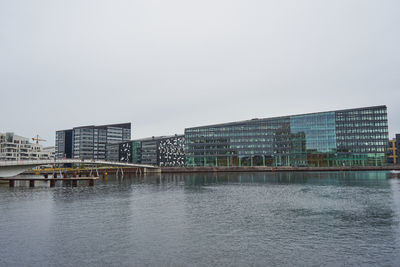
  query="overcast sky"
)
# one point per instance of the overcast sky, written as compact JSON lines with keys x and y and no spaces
{"x":166,"y":65}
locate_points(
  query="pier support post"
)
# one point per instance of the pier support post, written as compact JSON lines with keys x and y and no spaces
{"x":31,"y":183}
{"x":52,"y":183}
{"x":74,"y":183}
{"x":11,"y":183}
{"x":91,"y":182}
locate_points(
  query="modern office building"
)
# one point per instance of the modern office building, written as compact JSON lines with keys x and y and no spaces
{"x":15,"y":147}
{"x":64,"y":144}
{"x":164,"y":151}
{"x":393,"y":153}
{"x":352,"y":137}
{"x":112,"y":152}
{"x":398,"y":147}
{"x":89,"y":142}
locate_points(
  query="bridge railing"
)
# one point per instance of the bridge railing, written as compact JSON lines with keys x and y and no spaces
{"x":24,"y":162}
{"x":64,"y":161}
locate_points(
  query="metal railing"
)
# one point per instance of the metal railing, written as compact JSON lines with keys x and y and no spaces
{"x":65,"y":161}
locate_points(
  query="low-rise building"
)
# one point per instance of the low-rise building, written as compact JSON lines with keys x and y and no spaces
{"x":398,"y":147}
{"x":15,"y":147}
{"x":393,"y":152}
{"x":163,"y":151}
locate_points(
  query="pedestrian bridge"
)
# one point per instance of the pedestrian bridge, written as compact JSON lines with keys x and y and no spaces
{"x":13,"y":168}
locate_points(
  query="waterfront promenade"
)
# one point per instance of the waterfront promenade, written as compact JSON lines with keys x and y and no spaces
{"x":277,"y":169}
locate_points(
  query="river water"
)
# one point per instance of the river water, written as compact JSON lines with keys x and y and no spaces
{"x":246,"y":219}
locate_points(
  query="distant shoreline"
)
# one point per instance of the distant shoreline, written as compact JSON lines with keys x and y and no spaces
{"x":276,"y":169}
{"x":165,"y":170}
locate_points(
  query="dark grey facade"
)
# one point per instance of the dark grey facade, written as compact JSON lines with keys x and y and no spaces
{"x":89,"y":142}
{"x":398,"y":146}
{"x":63,"y":144}
{"x":336,"y":138}
{"x":164,"y":151}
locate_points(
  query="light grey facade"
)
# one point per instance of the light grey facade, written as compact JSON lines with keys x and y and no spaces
{"x":90,"y":142}
{"x":112,"y":152}
{"x":15,"y":147}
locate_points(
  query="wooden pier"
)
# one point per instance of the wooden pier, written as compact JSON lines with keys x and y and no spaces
{"x":52,"y":181}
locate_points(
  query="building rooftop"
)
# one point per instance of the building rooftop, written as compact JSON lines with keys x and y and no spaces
{"x":154,"y":138}
{"x":282,"y":117}
{"x":126,"y":125}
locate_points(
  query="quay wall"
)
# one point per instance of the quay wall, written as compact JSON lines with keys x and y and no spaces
{"x":221,"y":169}
{"x":276,"y":169}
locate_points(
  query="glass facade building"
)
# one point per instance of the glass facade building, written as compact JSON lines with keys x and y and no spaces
{"x":353,"y":137}
{"x":90,"y":142}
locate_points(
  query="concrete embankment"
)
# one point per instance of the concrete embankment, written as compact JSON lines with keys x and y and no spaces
{"x":276,"y":169}
{"x":105,"y":171}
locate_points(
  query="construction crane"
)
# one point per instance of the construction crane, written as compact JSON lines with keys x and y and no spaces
{"x":37,"y":139}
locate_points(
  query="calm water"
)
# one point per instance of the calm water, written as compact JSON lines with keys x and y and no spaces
{"x":251,"y":219}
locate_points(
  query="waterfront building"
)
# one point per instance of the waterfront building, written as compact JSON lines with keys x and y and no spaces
{"x":352,"y":137}
{"x":15,"y":147}
{"x":163,"y":151}
{"x":398,"y":147}
{"x":112,"y":152}
{"x":89,"y":142}
{"x":64,"y":144}
{"x":393,"y":152}
{"x":49,"y":152}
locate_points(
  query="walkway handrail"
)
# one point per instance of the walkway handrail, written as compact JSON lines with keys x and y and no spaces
{"x":65,"y":161}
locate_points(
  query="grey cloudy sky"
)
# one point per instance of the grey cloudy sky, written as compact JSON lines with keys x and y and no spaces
{"x":166,"y":65}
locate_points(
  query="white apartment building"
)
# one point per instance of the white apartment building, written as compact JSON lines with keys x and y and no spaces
{"x":15,"y":147}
